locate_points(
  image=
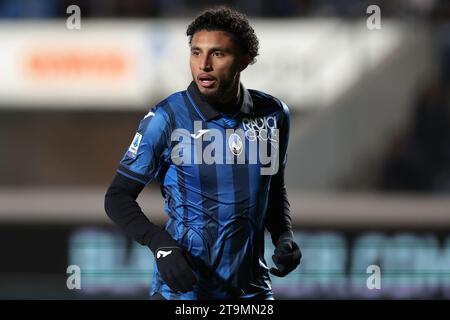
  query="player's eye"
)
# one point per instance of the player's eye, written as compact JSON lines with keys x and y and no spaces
{"x":195,"y":53}
{"x":217,"y":54}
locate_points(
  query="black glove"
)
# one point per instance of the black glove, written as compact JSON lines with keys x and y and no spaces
{"x":287,"y":255}
{"x":172,"y":263}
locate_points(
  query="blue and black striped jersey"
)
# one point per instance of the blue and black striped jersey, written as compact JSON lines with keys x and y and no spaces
{"x":215,"y":171}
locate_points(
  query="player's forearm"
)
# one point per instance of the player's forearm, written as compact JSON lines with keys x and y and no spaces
{"x":278,"y":215}
{"x":122,"y":208}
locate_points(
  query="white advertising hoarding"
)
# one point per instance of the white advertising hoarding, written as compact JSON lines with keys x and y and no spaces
{"x":128,"y":64}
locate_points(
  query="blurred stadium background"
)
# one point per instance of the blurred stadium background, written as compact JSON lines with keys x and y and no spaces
{"x":369,"y":156}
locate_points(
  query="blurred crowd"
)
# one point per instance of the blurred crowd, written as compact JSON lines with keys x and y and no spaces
{"x":259,"y":8}
{"x":418,"y":158}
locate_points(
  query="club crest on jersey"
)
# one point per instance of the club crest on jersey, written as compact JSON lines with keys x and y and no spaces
{"x":235,"y":144}
{"x":132,"y":150}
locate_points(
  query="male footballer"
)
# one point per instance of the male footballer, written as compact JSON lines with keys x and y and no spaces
{"x":218,"y":151}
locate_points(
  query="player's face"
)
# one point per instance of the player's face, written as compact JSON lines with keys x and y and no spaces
{"x":216,"y":62}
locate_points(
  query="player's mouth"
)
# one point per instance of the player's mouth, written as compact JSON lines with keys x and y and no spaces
{"x":206,"y":80}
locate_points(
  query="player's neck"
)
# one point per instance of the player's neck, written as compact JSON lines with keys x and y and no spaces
{"x":232,"y":96}
{"x":230,"y":107}
{"x":232,"y":102}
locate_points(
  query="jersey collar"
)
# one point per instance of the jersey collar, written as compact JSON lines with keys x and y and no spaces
{"x":208,"y":112}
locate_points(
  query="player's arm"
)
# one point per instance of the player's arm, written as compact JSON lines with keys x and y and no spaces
{"x":278,"y":221}
{"x":122,"y":208}
{"x":138,"y":167}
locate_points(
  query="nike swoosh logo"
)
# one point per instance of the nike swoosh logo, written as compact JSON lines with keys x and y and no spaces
{"x":163,"y":254}
{"x":199,"y":133}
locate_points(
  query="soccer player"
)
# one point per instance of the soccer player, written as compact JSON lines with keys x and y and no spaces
{"x":208,"y":148}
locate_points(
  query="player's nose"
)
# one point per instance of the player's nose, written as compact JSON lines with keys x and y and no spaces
{"x":205,"y":64}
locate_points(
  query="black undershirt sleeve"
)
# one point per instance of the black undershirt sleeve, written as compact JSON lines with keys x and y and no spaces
{"x":278,"y":218}
{"x":122,"y":208}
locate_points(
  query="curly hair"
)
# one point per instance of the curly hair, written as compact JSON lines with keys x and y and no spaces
{"x":228,"y":20}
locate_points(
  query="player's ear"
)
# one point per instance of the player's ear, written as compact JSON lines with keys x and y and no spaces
{"x":245,"y":61}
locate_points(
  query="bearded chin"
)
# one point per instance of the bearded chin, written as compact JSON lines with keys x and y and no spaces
{"x":218,"y":95}
{"x":213,"y":97}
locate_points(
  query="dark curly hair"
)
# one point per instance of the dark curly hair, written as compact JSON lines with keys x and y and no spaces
{"x":228,"y":20}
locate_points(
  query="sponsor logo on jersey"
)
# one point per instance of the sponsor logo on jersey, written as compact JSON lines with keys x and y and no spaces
{"x":199,"y":133}
{"x":262,"y":129}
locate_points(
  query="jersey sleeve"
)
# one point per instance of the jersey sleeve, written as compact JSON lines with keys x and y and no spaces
{"x":149,"y":147}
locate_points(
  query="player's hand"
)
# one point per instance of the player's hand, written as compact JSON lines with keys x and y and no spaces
{"x":172,"y":263}
{"x":287,"y":255}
